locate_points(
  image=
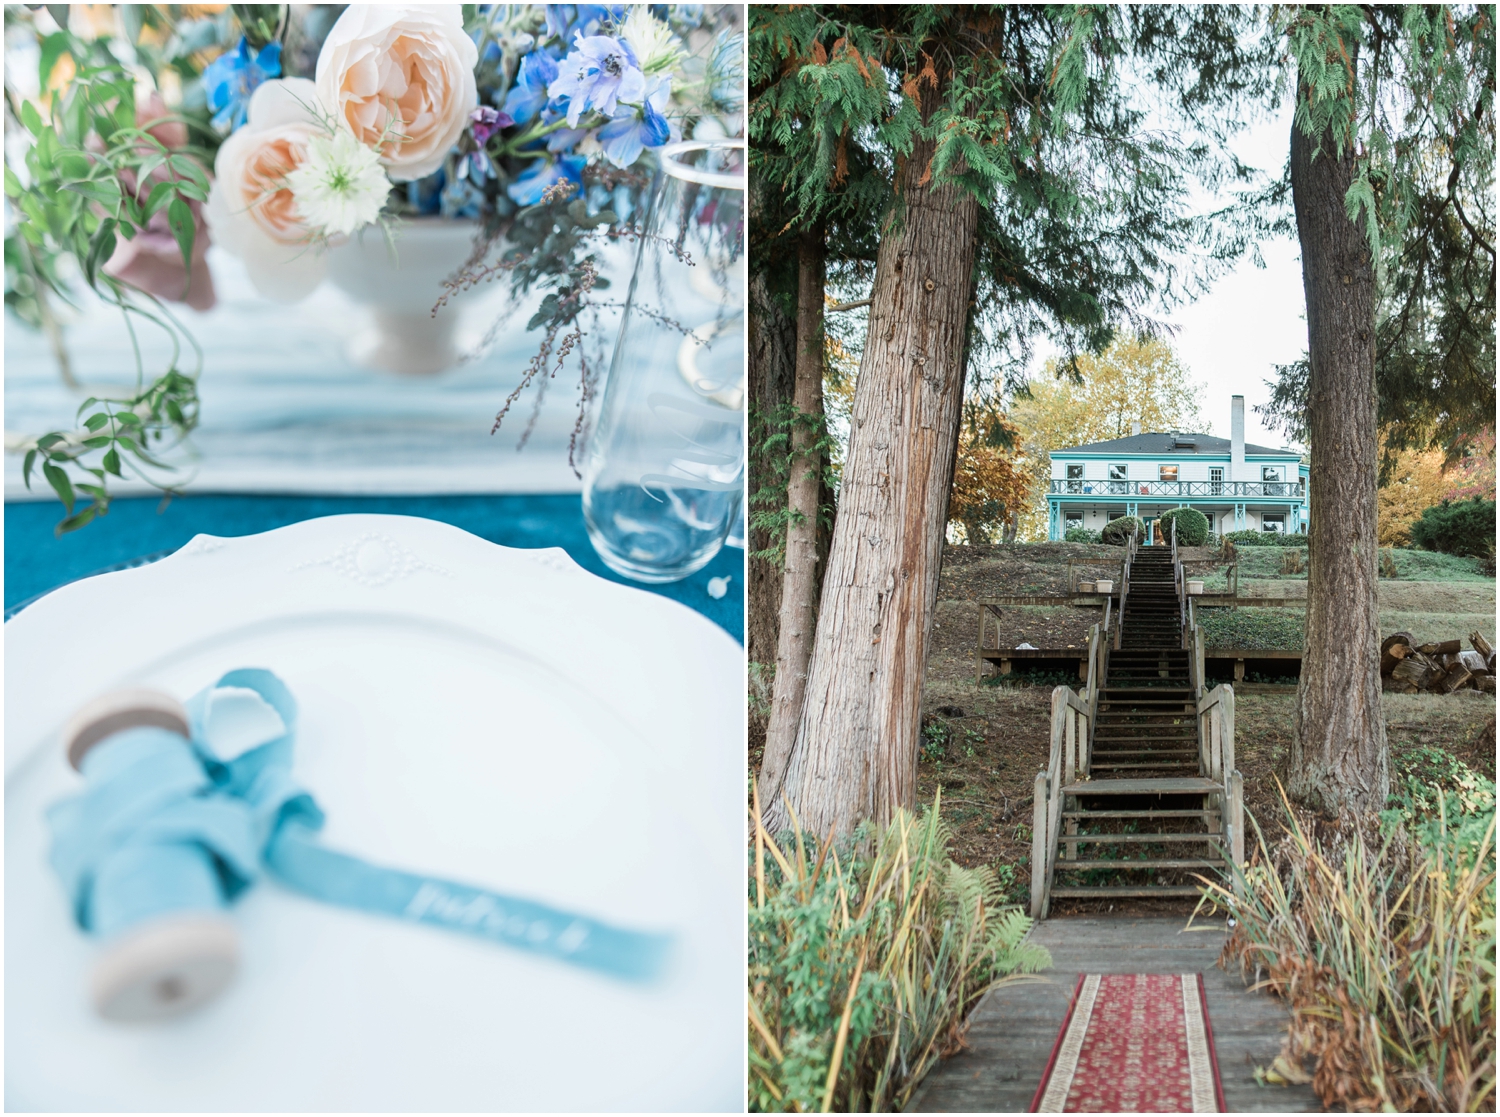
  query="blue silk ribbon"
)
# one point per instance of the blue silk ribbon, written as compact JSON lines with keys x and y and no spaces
{"x":169,"y":825}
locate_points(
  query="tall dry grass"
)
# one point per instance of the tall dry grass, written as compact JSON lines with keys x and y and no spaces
{"x":865,"y":958}
{"x":1383,"y":945}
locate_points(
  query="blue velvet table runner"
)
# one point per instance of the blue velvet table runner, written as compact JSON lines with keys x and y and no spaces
{"x":37,"y":561}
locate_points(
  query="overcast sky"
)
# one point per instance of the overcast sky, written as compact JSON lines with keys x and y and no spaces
{"x":1252,"y":320}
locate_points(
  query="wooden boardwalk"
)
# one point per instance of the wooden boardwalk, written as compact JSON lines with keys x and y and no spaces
{"x":1013,"y":1029}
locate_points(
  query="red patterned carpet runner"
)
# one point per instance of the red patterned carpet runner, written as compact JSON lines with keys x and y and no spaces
{"x":1133,"y":1043}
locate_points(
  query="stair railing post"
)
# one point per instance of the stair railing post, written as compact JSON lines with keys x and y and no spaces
{"x":1237,"y":828}
{"x":1041,"y":868}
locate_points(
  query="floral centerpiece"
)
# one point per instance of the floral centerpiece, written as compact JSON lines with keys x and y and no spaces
{"x":150,"y":132}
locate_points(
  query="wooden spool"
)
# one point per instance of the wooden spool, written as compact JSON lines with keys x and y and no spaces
{"x":181,"y":960}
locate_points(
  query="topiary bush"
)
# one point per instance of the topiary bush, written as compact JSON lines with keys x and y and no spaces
{"x":1254,"y":538}
{"x":1080,"y":535}
{"x":1117,"y":532}
{"x":1464,"y":527}
{"x":1192,"y":526}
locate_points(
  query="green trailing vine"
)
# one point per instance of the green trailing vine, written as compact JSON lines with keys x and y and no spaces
{"x":93,"y":178}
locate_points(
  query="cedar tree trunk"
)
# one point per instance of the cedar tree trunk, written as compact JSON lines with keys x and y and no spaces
{"x":1338,"y":762}
{"x":799,"y":587}
{"x":856,"y":752}
{"x":773,"y":346}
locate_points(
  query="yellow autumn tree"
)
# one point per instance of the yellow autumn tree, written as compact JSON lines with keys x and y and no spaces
{"x":1417,"y":482}
{"x":1134,"y":380}
{"x":990,"y":491}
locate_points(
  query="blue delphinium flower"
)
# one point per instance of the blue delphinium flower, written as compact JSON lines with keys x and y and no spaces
{"x":598,"y":74}
{"x":529,"y":94}
{"x":461,"y":198}
{"x":634,"y":129}
{"x":566,"y":21}
{"x":230,"y":78}
{"x":528,"y":188}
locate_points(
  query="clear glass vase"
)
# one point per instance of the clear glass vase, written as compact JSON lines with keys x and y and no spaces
{"x":664,"y":473}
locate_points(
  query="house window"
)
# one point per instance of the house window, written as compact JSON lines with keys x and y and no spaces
{"x":1273,"y":523}
{"x":1118,"y":475}
{"x":1114,"y":513}
{"x":1270,"y":476}
{"x":1072,"y":520}
{"x":1075,"y":480}
{"x":1166,"y":473}
{"x":1216,"y":480}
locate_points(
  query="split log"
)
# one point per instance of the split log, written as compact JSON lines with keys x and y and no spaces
{"x":1392,"y":685}
{"x":1481,"y":645}
{"x":1413,"y":670}
{"x":1474,"y":662}
{"x":1392,"y":656}
{"x":1486,"y":683}
{"x":1396,"y":638}
{"x":1457,"y":676}
{"x":1443,"y":647}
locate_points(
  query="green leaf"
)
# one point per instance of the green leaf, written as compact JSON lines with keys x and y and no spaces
{"x":187,"y":166}
{"x":13,"y":187}
{"x":60,"y":484}
{"x":101,"y":248}
{"x":32,"y":119}
{"x":128,"y":419}
{"x":98,"y":442}
{"x":105,"y":191}
{"x":161,"y":194}
{"x":98,"y":492}
{"x":54,"y":46}
{"x":111,"y":462}
{"x":94,"y":422}
{"x":26,"y":467}
{"x":73,"y":523}
{"x":180,"y":221}
{"x":73,"y":165}
{"x":47,"y":441}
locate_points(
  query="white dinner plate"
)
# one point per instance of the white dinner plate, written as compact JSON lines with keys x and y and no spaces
{"x":490,"y":715}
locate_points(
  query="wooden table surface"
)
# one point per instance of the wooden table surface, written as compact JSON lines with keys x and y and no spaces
{"x":1014,"y":1027}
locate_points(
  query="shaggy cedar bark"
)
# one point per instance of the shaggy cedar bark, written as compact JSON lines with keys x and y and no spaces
{"x":799,"y":587}
{"x":855,"y":756}
{"x":1338,"y":762}
{"x":773,"y":348}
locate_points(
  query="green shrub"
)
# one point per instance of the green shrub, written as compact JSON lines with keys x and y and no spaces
{"x":1465,"y":527}
{"x":1267,"y":538}
{"x":865,"y":957}
{"x":1117,"y":532}
{"x":1080,"y":535}
{"x":1192,"y":526}
{"x":1253,"y":628}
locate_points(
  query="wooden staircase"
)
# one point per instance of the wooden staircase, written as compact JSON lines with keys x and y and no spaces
{"x":1140,"y":793}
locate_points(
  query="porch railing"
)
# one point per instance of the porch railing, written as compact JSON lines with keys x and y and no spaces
{"x":1279,"y":490}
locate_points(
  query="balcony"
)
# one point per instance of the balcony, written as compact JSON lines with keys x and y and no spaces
{"x":1179,"y":490}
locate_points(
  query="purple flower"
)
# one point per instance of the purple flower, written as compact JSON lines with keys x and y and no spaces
{"x":230,"y":78}
{"x":598,"y":75}
{"x":528,"y":188}
{"x":484,"y":122}
{"x":529,"y":95}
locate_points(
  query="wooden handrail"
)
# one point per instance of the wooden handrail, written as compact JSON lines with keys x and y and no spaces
{"x":1216,"y":761}
{"x":1068,"y":759}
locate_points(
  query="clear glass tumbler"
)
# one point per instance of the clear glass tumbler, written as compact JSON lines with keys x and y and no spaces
{"x":664,"y":473}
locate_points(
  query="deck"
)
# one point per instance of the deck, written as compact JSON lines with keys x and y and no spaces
{"x":1012,"y":1031}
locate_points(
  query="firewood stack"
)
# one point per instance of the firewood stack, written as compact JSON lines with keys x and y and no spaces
{"x":1407,"y":667}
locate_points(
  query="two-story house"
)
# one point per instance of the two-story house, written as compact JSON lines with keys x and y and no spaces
{"x":1236,"y":486}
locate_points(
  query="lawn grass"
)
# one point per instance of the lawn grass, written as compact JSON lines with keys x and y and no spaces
{"x":1411,"y":565}
{"x":1282,"y":629}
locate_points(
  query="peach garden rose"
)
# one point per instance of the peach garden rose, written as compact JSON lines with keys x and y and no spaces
{"x":401,"y":78}
{"x":251,"y":208}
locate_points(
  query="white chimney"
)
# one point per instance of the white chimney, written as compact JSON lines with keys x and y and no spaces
{"x":1135,"y":426}
{"x":1237,"y":439}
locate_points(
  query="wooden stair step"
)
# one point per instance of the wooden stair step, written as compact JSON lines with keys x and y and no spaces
{"x":1106,"y":891}
{"x":1127,"y":839}
{"x":1137,"y":866}
{"x":1143,"y":812}
{"x":1167,"y":785}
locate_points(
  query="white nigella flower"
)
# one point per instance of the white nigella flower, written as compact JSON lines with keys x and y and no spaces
{"x":652,"y":40}
{"x":340,"y":186}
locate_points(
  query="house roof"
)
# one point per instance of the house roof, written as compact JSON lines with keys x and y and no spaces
{"x":1164,"y":444}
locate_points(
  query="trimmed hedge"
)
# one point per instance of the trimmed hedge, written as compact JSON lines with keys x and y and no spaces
{"x":1080,"y":535}
{"x":1117,"y":532}
{"x":1192,"y":526}
{"x":1465,"y":527}
{"x":1267,"y":538}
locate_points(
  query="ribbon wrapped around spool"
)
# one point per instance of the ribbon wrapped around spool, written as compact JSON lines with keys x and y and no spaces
{"x":185,"y":807}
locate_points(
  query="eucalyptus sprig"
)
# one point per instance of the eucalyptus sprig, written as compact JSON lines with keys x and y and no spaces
{"x":92,"y":178}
